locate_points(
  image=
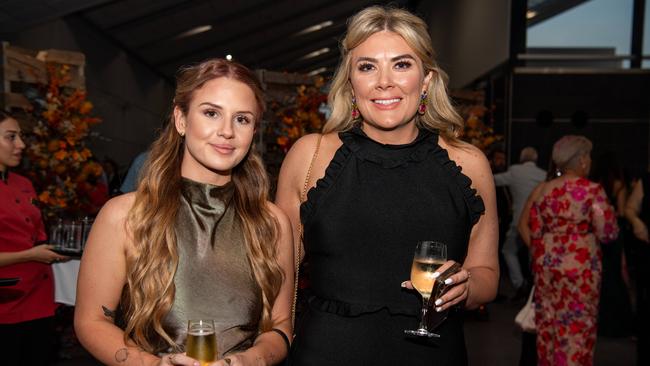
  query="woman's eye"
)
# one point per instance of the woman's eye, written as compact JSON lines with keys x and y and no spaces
{"x":211,"y":113}
{"x":242,"y":119}
{"x":365,"y":67}
{"x":403,"y":65}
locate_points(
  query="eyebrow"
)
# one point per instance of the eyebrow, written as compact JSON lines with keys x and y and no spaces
{"x":11,"y":131}
{"x":220,"y":107}
{"x":396,"y":58}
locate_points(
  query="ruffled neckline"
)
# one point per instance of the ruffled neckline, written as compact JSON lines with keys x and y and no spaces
{"x":357,"y":143}
{"x":386,"y":155}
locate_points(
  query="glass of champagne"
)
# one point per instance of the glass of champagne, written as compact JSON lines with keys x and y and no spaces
{"x":201,"y":343}
{"x":429,"y":256}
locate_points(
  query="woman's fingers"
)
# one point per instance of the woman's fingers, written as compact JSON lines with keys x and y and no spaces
{"x":457,"y":291}
{"x":178,"y":359}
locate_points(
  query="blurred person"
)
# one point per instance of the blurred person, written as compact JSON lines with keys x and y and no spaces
{"x":112,"y":176}
{"x":384,"y":175}
{"x":520,"y":179}
{"x":637,"y":211}
{"x":615,"y":313}
{"x":197,"y":240}
{"x":130,"y":183}
{"x":564,"y":221}
{"x":27,"y":308}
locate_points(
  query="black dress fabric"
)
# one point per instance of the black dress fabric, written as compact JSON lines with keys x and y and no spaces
{"x":361,"y":224}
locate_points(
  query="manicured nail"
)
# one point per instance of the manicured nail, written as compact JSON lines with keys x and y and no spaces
{"x":448,"y":281}
{"x":438,"y":309}
{"x":435,"y":275}
{"x":404,"y":284}
{"x":438,"y":302}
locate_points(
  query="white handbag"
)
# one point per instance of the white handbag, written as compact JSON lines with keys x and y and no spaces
{"x":525,"y":318}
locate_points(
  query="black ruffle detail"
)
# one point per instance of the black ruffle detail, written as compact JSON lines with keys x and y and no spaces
{"x":343,"y":308}
{"x":314,"y":195}
{"x":370,"y":150}
{"x":473,"y":200}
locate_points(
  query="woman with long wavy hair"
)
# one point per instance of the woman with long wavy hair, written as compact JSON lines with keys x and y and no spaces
{"x":384,"y":175}
{"x":198,"y":239}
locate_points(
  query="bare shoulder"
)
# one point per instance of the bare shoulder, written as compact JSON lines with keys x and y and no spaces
{"x":472,"y":160}
{"x":279,"y":215}
{"x":112,"y":216}
{"x":117,"y":208}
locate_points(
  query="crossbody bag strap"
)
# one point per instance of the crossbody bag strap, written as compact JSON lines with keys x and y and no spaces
{"x":298,"y":245}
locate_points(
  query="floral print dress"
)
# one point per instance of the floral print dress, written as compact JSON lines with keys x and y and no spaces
{"x":567,"y":226}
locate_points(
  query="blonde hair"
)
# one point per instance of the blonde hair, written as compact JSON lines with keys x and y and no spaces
{"x":568,"y":150}
{"x":149,"y":292}
{"x":440,"y":115}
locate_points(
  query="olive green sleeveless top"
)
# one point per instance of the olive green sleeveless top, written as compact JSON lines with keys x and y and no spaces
{"x":214,"y":278}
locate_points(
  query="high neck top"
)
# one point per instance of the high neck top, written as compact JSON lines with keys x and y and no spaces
{"x":214,"y":279}
{"x":365,"y":216}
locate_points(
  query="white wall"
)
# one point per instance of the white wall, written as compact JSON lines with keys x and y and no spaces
{"x":131,"y":99}
{"x":470,"y":37}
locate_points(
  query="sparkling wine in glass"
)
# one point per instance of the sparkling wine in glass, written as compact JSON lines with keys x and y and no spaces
{"x":201,"y":343}
{"x":429,"y":256}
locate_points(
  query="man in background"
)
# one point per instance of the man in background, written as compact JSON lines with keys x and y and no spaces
{"x":521,"y":179}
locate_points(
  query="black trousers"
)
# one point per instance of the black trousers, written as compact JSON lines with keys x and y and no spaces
{"x":28,"y":343}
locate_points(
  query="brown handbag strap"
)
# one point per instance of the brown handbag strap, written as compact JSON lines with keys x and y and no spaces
{"x":298,"y":245}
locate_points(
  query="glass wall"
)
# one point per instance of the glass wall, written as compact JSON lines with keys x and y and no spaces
{"x":646,"y":35}
{"x":596,"y":27}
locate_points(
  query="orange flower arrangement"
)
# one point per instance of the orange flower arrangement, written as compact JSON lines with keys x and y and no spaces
{"x":298,"y":117}
{"x":61,"y":167}
{"x":477,"y":132}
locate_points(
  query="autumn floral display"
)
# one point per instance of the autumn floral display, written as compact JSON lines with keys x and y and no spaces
{"x":478,"y":130}
{"x":298,"y":117}
{"x":61,"y":166}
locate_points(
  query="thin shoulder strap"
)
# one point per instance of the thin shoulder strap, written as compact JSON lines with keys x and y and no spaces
{"x":298,"y":245}
{"x":303,"y":194}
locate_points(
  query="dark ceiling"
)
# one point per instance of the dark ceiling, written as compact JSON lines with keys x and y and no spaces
{"x":262,"y":34}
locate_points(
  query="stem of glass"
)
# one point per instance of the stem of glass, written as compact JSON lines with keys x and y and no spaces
{"x":425,"y":306}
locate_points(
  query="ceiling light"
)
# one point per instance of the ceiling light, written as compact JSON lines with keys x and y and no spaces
{"x":229,"y":57}
{"x":194,"y":31}
{"x":315,"y":53}
{"x":530,"y":14}
{"x":315,"y":27}
{"x":317,"y":71}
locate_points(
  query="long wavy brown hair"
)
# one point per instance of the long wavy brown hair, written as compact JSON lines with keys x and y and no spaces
{"x":149,"y":293}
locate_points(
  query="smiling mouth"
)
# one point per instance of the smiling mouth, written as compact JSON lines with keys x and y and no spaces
{"x":386,"y":101}
{"x":223,"y":149}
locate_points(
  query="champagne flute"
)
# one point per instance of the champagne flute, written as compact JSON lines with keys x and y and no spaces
{"x":201,"y":343}
{"x":429,"y":256}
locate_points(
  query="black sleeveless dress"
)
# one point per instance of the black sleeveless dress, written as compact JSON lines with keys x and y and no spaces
{"x":361,"y":224}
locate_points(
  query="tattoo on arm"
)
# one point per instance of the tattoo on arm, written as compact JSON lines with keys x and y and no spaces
{"x":108,"y":312}
{"x":121,"y":355}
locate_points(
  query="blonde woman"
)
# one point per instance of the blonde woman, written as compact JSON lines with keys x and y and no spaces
{"x":198,"y":239}
{"x":384,"y":175}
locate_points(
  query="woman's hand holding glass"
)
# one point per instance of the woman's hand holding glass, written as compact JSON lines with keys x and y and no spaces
{"x":456,"y":290}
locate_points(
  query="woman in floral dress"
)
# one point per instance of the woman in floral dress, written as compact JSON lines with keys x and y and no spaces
{"x":567,"y":217}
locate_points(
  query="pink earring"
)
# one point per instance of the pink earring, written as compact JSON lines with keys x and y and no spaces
{"x":422,"y":108}
{"x":355,"y":109}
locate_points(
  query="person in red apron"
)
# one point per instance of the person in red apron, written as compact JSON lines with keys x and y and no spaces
{"x":26,"y":307}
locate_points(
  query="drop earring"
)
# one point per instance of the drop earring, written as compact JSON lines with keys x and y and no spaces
{"x":355,"y":109}
{"x":422,"y":108}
